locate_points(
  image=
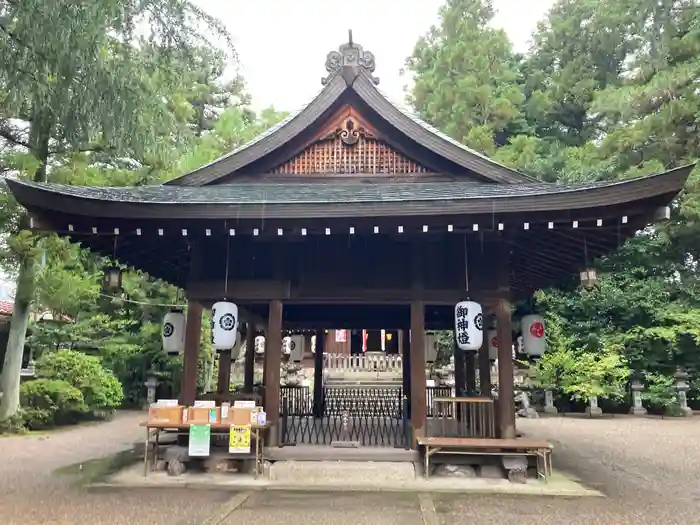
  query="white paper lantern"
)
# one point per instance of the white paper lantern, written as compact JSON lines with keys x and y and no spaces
{"x":260,"y":344}
{"x":224,"y":325}
{"x":173,"y":332}
{"x":286,"y":345}
{"x":431,"y":348}
{"x":533,"y":329}
{"x":469,"y":325}
{"x":296,"y":348}
{"x":492,"y":338}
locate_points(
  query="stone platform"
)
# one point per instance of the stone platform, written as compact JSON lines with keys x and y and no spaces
{"x":326,"y":476}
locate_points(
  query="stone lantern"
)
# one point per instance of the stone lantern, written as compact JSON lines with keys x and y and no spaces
{"x":682,"y":388}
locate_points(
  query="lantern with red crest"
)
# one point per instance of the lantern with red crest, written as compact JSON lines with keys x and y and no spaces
{"x":533,"y":333}
{"x":492,"y":338}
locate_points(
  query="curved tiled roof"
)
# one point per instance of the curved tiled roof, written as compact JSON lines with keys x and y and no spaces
{"x":340,"y":199}
{"x":360,"y":81}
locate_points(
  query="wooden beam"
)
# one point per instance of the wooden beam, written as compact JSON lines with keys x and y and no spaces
{"x":318,"y":373}
{"x":261,"y":291}
{"x":484,"y":368}
{"x":417,"y":355}
{"x":193,"y":331}
{"x":249,"y":365}
{"x":506,"y":401}
{"x":273,"y":360}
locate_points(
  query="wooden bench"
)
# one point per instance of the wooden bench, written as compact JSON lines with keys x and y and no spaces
{"x":540,"y":449}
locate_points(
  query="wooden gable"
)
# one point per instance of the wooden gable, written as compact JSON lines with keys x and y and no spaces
{"x":349,"y":144}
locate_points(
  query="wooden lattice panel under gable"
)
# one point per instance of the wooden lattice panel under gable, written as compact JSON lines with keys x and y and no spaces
{"x":349,"y":144}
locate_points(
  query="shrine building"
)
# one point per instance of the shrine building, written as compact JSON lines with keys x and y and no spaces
{"x":353,"y":214}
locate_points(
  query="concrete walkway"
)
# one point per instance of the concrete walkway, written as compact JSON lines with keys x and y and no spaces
{"x":647,"y":467}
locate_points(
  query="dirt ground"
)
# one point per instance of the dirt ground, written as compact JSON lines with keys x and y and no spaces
{"x":647,"y":468}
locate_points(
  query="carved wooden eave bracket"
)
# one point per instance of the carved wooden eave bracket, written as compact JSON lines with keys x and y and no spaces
{"x":348,"y":62}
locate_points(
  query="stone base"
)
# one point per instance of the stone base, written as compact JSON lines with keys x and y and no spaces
{"x":530,"y":413}
{"x":551,"y":410}
{"x":594,"y":412}
{"x":638,"y":411}
{"x":686,"y":412}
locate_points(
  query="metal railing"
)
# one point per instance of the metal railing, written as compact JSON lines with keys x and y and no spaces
{"x":354,"y":416}
{"x":362,"y":363}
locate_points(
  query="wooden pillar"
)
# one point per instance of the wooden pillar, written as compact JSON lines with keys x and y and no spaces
{"x":318,"y":373}
{"x":460,"y":375}
{"x":470,"y":373}
{"x":249,"y":365}
{"x":506,"y":402}
{"x":484,"y":369}
{"x":406,"y":367}
{"x":417,"y":355}
{"x":193,"y":334}
{"x":273,"y":361}
{"x":223,"y":385}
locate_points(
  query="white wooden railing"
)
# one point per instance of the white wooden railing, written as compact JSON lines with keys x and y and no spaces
{"x":362,"y":363}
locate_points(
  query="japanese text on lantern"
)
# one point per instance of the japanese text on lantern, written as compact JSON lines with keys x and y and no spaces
{"x":462,"y":325}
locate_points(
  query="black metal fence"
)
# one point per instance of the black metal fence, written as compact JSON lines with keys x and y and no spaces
{"x":366,"y":416}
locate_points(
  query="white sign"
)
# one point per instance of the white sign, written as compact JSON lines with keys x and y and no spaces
{"x":341,"y":336}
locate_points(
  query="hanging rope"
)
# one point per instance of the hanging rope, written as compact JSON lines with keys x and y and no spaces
{"x":144,"y":303}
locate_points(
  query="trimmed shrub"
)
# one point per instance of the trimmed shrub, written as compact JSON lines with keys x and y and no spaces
{"x":101,"y":390}
{"x":50,"y":402}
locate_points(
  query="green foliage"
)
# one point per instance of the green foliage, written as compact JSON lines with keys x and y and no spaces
{"x":50,"y":402}
{"x":580,"y":372}
{"x":659,"y":392}
{"x":100,"y":389}
{"x":608,"y":91}
{"x":466,"y":80}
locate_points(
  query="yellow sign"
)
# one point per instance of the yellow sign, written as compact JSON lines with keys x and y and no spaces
{"x":239,"y":439}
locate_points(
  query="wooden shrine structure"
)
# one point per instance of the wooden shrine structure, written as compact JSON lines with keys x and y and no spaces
{"x":355,"y":214}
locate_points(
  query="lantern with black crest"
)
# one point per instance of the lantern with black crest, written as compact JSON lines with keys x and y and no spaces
{"x":469,"y":317}
{"x":112,"y":275}
{"x":173,"y":332}
{"x":224,"y":315}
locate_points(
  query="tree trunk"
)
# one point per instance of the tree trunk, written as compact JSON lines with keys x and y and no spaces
{"x":39,"y":138}
{"x":10,"y":379}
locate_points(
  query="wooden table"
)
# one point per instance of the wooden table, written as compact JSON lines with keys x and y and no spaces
{"x":216,"y":428}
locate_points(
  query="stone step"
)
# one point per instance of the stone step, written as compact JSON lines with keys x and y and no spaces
{"x":351,"y":472}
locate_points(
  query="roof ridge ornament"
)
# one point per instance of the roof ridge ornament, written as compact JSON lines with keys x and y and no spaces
{"x":349,"y":61}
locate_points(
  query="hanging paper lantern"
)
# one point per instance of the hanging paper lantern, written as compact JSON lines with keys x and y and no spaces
{"x":286,"y":345}
{"x":431,"y":348}
{"x":224,"y":325}
{"x":173,"y":332}
{"x":112,"y":279}
{"x":296,"y":348}
{"x":492,"y":337}
{"x":469,"y":325}
{"x":260,"y":344}
{"x":533,"y":328}
{"x":589,"y":277}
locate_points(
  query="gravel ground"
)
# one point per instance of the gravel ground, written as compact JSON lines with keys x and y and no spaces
{"x":30,"y":491}
{"x":648,"y":468}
